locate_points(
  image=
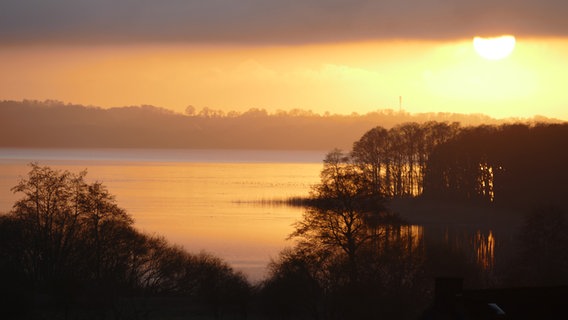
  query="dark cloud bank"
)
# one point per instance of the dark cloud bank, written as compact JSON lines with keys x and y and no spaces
{"x":273,"y":21}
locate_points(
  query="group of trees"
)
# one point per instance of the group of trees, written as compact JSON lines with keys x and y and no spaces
{"x":395,"y":160}
{"x":507,"y":164}
{"x":67,"y":240}
{"x":355,"y":259}
{"x":515,"y":165}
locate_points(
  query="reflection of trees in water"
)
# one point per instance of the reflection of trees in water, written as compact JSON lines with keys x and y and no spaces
{"x":485,"y":249}
{"x":477,"y":245}
{"x":409,"y":238}
{"x":394,"y":272}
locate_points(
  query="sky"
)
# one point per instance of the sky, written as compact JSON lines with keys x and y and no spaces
{"x":323,"y":55}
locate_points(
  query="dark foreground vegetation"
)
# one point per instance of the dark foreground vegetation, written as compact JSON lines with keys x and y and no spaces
{"x":68,"y":251}
{"x":356,"y":258}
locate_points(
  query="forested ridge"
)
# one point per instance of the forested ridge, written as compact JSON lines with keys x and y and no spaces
{"x":53,"y":124}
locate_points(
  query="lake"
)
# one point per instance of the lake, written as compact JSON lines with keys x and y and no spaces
{"x":200,"y":199}
{"x":219,"y":201}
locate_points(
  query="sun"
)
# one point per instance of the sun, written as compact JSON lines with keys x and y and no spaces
{"x":494,"y":48}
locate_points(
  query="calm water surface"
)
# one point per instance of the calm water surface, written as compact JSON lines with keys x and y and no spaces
{"x":200,"y":199}
{"x":211,"y":199}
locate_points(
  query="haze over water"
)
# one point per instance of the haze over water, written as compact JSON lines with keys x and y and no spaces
{"x":200,"y":199}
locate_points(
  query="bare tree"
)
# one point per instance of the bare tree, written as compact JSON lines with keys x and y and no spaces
{"x":50,"y":211}
{"x":339,"y":221}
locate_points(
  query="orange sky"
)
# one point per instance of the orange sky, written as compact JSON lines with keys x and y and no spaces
{"x":340,"y":56}
{"x":431,"y":76}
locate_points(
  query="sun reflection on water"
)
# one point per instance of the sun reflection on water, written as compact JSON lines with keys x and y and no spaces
{"x":485,"y":250}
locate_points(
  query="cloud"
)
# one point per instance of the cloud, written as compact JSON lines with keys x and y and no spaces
{"x":272,"y":21}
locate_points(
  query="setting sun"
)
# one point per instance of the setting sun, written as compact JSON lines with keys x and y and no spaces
{"x":494,"y":48}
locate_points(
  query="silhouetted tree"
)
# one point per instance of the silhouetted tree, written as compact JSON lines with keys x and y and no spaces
{"x":50,"y":213}
{"x":339,"y":221}
{"x":105,"y":223}
{"x":190,"y":110}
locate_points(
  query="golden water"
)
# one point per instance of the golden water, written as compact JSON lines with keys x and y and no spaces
{"x":211,"y":206}
{"x":214,"y":200}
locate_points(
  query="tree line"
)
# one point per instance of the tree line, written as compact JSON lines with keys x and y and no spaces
{"x":514,"y":165}
{"x":506,"y":164}
{"x":67,"y":250}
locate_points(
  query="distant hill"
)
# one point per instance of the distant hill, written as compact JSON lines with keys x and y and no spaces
{"x":53,"y":124}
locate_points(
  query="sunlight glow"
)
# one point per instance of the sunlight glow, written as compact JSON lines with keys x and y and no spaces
{"x":494,"y":48}
{"x":431,"y":76}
